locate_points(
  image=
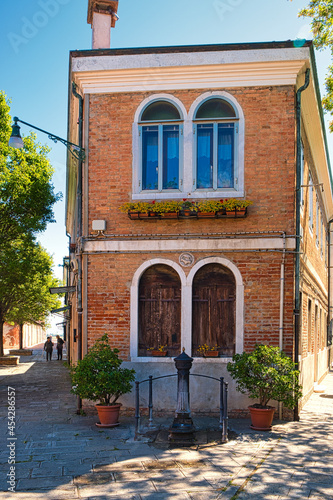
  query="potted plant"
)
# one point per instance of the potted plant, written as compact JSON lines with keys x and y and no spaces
{"x":208,"y":351}
{"x":266,"y":373}
{"x":208,"y":208}
{"x":161,"y":350}
{"x":188,"y":208}
{"x":234,"y":207}
{"x":99,"y":377}
{"x":167,"y":209}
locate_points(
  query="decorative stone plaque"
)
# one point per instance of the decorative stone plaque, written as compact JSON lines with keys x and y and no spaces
{"x":186,"y":259}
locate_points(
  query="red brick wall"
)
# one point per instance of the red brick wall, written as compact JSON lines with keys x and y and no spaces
{"x":11,"y":336}
{"x":110,"y":277}
{"x":269,"y":183}
{"x":269,"y":161}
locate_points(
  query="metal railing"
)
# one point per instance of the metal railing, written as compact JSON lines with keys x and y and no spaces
{"x":223,"y":423}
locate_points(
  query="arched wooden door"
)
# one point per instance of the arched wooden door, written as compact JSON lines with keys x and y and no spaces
{"x":213,"y":309}
{"x":159,"y":310}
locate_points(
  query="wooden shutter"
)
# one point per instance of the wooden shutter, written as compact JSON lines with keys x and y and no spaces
{"x":213,"y":309}
{"x":159,"y":310}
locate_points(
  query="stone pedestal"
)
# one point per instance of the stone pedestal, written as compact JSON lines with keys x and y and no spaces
{"x":20,"y":352}
{"x":9,"y":360}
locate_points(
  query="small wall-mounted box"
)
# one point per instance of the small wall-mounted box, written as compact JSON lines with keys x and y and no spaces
{"x":98,"y":225}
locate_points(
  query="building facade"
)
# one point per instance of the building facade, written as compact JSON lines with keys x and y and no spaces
{"x":186,"y":125}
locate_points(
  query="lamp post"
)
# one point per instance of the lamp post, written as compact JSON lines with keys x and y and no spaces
{"x":16,"y":141}
{"x":78,"y":152}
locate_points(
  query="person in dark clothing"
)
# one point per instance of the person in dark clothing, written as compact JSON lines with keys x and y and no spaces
{"x":60,"y":345}
{"x":48,"y":348}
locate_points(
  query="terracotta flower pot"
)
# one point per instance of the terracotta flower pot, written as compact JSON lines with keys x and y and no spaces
{"x":261,"y":418}
{"x":241,"y":212}
{"x":211,"y":354}
{"x":230,"y":213}
{"x":108,"y":415}
{"x":188,"y":213}
{"x":133,"y":215}
{"x":206,"y":215}
{"x":158,"y":353}
{"x":169,"y":215}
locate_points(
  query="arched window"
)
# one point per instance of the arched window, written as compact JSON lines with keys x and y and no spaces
{"x":160,"y":131}
{"x":213,"y":309}
{"x":159,"y":310}
{"x":216,"y":129}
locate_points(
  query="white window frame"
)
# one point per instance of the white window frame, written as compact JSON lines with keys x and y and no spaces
{"x":186,"y":307}
{"x":302,"y":177}
{"x":160,"y":126}
{"x":186,"y":188}
{"x":310,"y":204}
{"x":137,"y":192}
{"x":238,"y":189}
{"x":317,"y":222}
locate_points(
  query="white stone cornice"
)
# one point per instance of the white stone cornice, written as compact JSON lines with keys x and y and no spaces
{"x":188,"y":77}
{"x":172,"y":59}
{"x":195,"y":244}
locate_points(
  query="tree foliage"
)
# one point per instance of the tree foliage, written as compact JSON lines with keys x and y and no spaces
{"x":26,"y":207}
{"x":25,"y":274}
{"x":98,"y":375}
{"x":34,"y":299}
{"x":26,"y":192}
{"x":321,"y":13}
{"x":266,"y":373}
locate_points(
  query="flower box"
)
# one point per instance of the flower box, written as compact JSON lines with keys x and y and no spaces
{"x":232,"y":214}
{"x":158,"y":353}
{"x":211,"y":354}
{"x":169,"y":215}
{"x":188,"y":213}
{"x":133,"y":215}
{"x":206,"y":215}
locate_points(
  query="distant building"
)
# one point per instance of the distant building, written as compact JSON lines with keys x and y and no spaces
{"x":198,"y":123}
{"x":32,"y":334}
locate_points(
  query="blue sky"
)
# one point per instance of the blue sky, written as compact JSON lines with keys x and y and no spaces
{"x":37,"y":35}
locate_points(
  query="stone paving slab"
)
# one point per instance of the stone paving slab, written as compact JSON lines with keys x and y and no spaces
{"x":64,"y":456}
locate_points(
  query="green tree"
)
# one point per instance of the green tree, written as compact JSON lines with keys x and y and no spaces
{"x":321,"y":13}
{"x":36,"y":302}
{"x":26,"y":200}
{"x":25,"y":274}
{"x":26,"y":192}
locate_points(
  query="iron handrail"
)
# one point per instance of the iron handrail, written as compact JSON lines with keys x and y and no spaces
{"x":223,"y":423}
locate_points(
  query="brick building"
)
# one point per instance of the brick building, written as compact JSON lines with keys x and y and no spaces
{"x":198,"y":123}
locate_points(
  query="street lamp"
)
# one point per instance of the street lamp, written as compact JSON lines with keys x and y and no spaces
{"x":16,"y":141}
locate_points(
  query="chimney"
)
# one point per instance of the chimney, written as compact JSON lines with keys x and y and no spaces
{"x":102,"y":15}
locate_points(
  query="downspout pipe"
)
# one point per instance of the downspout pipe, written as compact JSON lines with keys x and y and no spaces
{"x":79,"y":234}
{"x":329,"y":308}
{"x":68,"y":335}
{"x":298,"y":224}
{"x":282,"y":284}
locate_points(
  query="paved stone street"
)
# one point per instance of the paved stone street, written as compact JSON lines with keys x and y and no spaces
{"x":62,"y":456}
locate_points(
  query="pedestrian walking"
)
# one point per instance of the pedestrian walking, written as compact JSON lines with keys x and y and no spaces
{"x":60,"y":345}
{"x":48,"y":348}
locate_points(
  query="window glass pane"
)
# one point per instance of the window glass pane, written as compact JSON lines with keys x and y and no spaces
{"x":205,"y":155}
{"x":160,"y":110}
{"x":170,"y":156}
{"x":215,"y":108}
{"x":225,"y":155}
{"x":149,"y":157}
